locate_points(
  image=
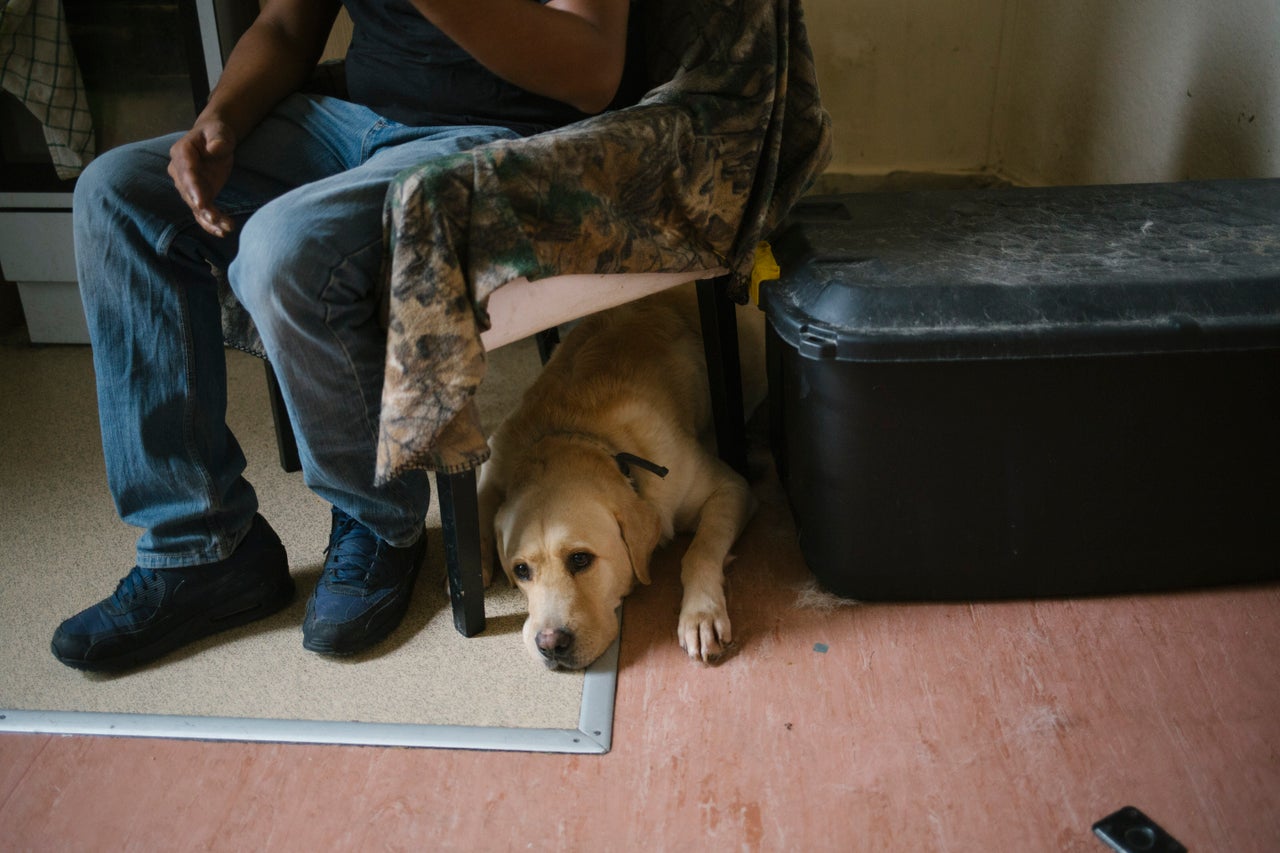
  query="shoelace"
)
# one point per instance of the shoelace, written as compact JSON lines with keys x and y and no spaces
{"x":133,"y":586}
{"x":351,"y":552}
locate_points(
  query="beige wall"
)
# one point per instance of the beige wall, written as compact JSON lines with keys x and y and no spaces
{"x":1045,"y":92}
{"x":1123,"y":90}
{"x":910,"y":84}
{"x":339,"y":38}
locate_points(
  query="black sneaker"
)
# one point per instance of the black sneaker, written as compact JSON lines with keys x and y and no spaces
{"x":154,"y":611}
{"x":364,"y":590}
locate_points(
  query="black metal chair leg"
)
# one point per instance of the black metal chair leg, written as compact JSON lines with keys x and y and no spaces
{"x":548,"y":340}
{"x":286,"y":443}
{"x":720,"y":341}
{"x":460,"y":523}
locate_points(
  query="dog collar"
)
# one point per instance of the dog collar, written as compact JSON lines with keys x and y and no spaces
{"x":626,"y":460}
{"x":623,"y":460}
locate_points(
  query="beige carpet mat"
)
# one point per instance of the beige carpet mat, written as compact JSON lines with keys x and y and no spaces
{"x":64,"y":548}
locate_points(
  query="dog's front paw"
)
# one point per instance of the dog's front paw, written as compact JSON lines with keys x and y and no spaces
{"x":704,"y":625}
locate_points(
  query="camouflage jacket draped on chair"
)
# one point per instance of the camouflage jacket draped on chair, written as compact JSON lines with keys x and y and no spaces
{"x":690,"y":178}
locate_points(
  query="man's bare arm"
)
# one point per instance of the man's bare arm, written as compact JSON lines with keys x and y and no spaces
{"x":274,"y":57}
{"x":570,"y":50}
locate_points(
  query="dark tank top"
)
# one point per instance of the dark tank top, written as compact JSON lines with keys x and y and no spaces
{"x":404,"y":68}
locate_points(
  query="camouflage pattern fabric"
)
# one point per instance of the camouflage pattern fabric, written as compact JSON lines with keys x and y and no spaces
{"x":691,"y":178}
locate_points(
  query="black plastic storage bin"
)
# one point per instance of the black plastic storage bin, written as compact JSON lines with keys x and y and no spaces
{"x":1026,"y":392}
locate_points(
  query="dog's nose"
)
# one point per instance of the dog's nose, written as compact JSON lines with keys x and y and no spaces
{"x":554,"y":642}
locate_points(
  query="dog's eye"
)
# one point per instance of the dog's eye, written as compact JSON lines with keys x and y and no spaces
{"x":580,"y":561}
{"x":522,"y":571}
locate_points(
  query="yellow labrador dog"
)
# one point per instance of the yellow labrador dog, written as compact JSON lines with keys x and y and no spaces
{"x":610,"y":453}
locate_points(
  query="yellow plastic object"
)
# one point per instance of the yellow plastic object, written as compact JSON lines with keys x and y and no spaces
{"x":765,"y":269}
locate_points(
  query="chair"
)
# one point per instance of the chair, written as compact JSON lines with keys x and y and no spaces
{"x":536,"y":232}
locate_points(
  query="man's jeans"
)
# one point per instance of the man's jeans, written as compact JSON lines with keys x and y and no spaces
{"x":306,"y":261}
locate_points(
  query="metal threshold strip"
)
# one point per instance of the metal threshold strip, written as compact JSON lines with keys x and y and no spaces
{"x":594,"y":734}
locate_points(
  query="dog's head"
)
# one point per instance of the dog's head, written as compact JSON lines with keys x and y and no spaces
{"x":574,"y":537}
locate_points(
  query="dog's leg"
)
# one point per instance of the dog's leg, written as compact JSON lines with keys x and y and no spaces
{"x":704,"y":627}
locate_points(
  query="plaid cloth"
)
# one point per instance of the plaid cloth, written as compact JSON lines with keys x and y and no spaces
{"x":37,"y":67}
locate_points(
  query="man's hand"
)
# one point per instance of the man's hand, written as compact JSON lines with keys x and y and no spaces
{"x":273,"y":58}
{"x":200,"y":163}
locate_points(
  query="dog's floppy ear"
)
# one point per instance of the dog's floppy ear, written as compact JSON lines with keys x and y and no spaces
{"x":490,"y":494}
{"x":641,"y":529}
{"x":501,"y":531}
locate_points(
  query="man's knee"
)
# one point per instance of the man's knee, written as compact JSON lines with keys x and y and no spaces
{"x":300,"y":256}
{"x":267,"y":273}
{"x":132,"y":175}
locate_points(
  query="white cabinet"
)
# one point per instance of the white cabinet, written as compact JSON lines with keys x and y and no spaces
{"x":37,"y":253}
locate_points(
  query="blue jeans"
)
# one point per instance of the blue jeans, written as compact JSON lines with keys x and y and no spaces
{"x":306,"y":261}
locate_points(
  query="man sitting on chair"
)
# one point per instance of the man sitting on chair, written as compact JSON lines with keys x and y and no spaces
{"x":285,"y":192}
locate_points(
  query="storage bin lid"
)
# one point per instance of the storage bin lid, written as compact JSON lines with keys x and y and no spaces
{"x":1027,"y":273}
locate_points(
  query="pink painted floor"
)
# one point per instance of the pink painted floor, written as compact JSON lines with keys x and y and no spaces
{"x":992,"y":727}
